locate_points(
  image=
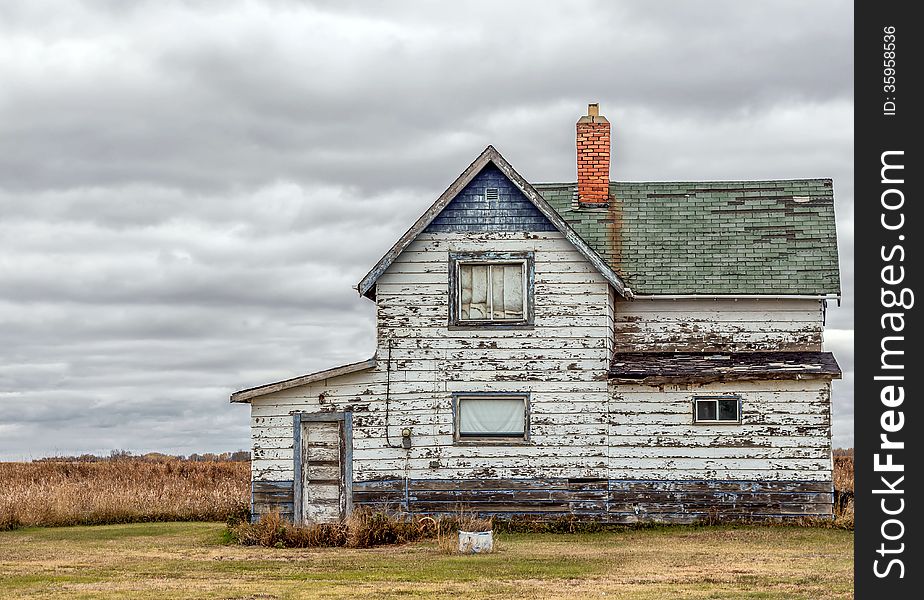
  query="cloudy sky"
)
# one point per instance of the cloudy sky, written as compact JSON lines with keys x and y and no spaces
{"x":189,"y":190}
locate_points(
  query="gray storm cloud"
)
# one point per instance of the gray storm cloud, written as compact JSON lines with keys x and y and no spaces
{"x":188,"y":191}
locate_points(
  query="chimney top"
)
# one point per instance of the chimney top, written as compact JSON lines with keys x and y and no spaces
{"x":593,"y":114}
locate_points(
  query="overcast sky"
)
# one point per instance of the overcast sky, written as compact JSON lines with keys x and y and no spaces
{"x":189,"y":190}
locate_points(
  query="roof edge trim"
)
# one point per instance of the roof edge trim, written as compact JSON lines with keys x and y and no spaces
{"x":278,"y":386}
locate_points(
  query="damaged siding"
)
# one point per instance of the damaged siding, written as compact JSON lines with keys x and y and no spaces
{"x":776,"y":463}
{"x":721,"y":325}
{"x":783,"y":433}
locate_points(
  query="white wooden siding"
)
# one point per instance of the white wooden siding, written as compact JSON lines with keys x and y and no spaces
{"x":784,"y":433}
{"x":580,"y":427}
{"x":562,"y":362}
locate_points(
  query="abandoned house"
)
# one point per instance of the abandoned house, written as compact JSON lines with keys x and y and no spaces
{"x":619,"y":351}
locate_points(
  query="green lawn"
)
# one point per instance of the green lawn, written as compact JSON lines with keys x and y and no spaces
{"x":192,"y":560}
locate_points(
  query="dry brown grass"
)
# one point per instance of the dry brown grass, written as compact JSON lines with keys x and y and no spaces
{"x":843,"y":470}
{"x":843,"y":487}
{"x":121,"y":491}
{"x":365,"y":528}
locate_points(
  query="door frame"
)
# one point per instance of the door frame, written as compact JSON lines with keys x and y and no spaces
{"x":345,"y":418}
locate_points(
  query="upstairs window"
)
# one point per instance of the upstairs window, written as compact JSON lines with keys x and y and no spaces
{"x":491,"y":289}
{"x":717,"y":409}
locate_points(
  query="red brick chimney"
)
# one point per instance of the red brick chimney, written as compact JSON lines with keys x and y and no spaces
{"x":593,"y":157}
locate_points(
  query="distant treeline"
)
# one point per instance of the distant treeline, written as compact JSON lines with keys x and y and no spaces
{"x":237,"y":456}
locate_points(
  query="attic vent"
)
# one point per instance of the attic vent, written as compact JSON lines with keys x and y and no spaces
{"x":491,"y":194}
{"x":801,"y":199}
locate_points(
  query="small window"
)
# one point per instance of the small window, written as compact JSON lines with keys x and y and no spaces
{"x":491,"y":418}
{"x":717,"y":409}
{"x":491,"y":194}
{"x":491,"y":289}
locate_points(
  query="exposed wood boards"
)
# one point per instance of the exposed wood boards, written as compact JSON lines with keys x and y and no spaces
{"x":727,"y":340}
{"x":617,"y":501}
{"x":262,"y":390}
{"x":282,"y":470}
{"x":489,"y":155}
{"x":269,"y":496}
{"x":702,"y":325}
{"x":661,"y":367}
{"x":662,"y":457}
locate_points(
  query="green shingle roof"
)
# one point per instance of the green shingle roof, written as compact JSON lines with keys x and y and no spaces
{"x":712,"y":237}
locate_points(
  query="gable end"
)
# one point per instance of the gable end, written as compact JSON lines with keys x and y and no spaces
{"x":490,"y":202}
{"x":490,"y":156}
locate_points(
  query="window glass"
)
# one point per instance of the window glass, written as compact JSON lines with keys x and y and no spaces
{"x":713,"y":409}
{"x":491,"y":292}
{"x":728,"y":410}
{"x":492,"y":417}
{"x":705,"y":410}
{"x":474,"y":292}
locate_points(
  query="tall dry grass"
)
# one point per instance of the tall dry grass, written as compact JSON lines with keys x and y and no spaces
{"x":121,"y":491}
{"x":843,"y":470}
{"x":843,"y":487}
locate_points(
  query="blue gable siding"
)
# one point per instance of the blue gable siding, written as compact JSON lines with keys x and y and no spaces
{"x":469,"y":211}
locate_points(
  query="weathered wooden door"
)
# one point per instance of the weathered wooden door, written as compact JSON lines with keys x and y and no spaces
{"x":323,"y":467}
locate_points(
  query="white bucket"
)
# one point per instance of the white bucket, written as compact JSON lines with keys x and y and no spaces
{"x":476,"y":542}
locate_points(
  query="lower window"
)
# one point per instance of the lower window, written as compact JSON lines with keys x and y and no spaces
{"x":717,"y":409}
{"x":491,"y":418}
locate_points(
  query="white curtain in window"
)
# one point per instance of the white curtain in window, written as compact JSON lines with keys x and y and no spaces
{"x":492,"y":416}
{"x":511,"y":305}
{"x":491,"y":292}
{"x":474,"y":304}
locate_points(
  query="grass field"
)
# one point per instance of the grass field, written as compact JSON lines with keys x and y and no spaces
{"x":121,"y":491}
{"x":193,"y":560}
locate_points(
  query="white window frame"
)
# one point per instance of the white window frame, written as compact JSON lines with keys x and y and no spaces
{"x":524,"y":271}
{"x":716,"y":398}
{"x":498,"y":439}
